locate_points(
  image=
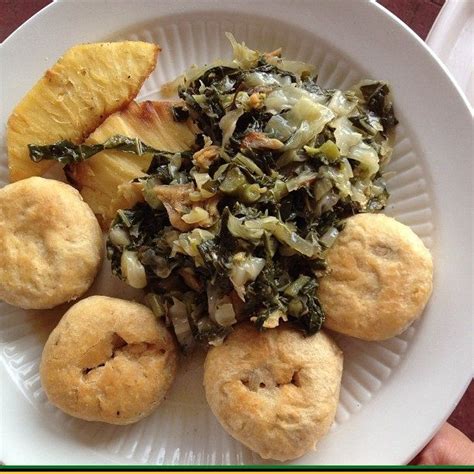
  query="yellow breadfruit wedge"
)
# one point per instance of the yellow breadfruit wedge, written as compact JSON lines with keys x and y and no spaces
{"x":100,"y":179}
{"x":85,"y":86}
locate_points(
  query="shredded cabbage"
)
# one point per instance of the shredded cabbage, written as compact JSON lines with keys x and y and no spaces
{"x":245,"y":268}
{"x":187,"y":243}
{"x":132,"y":269}
{"x":228,"y":123}
{"x":243,"y":57}
{"x":238,"y":226}
{"x":178,"y":315}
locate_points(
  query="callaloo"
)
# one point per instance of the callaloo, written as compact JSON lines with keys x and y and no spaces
{"x":237,"y":227}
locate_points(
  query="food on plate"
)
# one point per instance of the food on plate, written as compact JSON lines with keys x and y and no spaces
{"x":99,"y":179}
{"x":108,"y":360}
{"x":51,"y":244}
{"x":274,"y":391}
{"x":90,"y":82}
{"x":237,"y":226}
{"x":244,"y":208}
{"x":379,"y":281}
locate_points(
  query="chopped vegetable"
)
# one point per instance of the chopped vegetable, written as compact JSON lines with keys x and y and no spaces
{"x":66,"y":152}
{"x":238,"y":227}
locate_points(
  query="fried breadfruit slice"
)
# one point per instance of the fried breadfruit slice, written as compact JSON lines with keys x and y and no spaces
{"x":102,"y":179}
{"x":85,"y":86}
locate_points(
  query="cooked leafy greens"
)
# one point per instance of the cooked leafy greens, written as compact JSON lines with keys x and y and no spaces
{"x":66,"y":152}
{"x":238,"y":227}
{"x":280,"y":163}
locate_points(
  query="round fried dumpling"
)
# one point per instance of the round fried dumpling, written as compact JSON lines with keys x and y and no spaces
{"x":108,"y":360}
{"x":379,"y":280}
{"x":275,"y":391}
{"x":50,"y":244}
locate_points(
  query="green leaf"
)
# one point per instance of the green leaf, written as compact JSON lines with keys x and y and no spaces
{"x":66,"y":152}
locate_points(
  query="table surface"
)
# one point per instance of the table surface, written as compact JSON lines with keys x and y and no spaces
{"x":419,"y":15}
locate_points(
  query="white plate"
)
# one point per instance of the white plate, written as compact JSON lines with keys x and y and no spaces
{"x":395,"y":394}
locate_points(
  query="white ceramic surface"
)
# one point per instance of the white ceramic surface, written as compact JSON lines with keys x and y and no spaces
{"x":396,"y":393}
{"x":452,"y":39}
